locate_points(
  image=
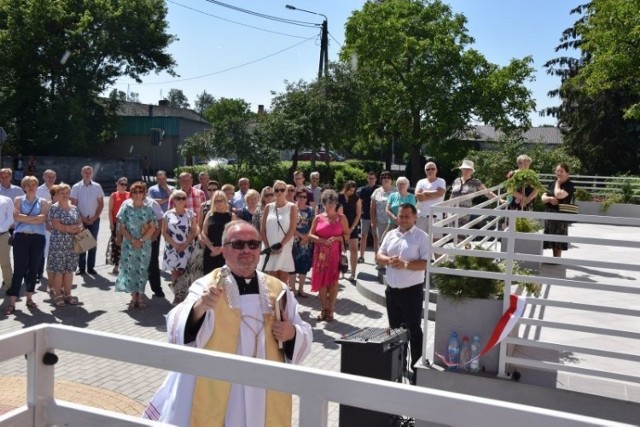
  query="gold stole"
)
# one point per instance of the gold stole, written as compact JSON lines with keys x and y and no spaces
{"x":210,"y":397}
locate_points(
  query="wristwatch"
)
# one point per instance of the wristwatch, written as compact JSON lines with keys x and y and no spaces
{"x":406,"y":265}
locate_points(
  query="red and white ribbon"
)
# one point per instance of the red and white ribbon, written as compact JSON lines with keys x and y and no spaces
{"x":502,"y":330}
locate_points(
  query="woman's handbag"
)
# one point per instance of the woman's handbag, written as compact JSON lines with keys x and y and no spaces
{"x":567,"y":208}
{"x":83,"y":241}
{"x":344,"y":262}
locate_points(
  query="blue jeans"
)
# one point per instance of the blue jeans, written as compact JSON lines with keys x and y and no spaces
{"x":89,"y":261}
{"x":27,"y":252}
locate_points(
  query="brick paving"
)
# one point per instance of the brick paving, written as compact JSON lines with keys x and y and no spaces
{"x":126,"y":387}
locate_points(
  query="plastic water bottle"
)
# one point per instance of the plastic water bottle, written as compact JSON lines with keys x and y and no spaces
{"x":453,"y":351}
{"x":475,"y":352}
{"x":465,"y":354}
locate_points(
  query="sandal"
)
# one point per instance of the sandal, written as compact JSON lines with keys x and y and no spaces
{"x":59,"y":299}
{"x":10,"y":310}
{"x":132,"y":304}
{"x":141,"y":304}
{"x":322,"y":316}
{"x":71,"y":300}
{"x":329,"y":316}
{"x":302,"y":294}
{"x":31,"y":304}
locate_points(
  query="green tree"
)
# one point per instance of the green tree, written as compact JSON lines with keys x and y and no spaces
{"x":610,"y":35}
{"x":203,"y":102}
{"x":595,"y":130}
{"x":58,"y":56}
{"x":177,"y":99}
{"x":323,"y":114}
{"x":423,"y":80}
{"x":238,"y":134}
{"x":118,"y":95}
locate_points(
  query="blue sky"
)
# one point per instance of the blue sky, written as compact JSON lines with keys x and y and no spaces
{"x":210,"y":45}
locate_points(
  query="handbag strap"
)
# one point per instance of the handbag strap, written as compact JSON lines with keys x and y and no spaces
{"x":30,"y":210}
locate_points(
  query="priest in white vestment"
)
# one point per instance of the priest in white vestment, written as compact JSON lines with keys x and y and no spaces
{"x":232,"y":310}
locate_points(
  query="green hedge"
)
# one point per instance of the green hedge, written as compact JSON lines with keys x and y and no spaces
{"x":334,"y":174}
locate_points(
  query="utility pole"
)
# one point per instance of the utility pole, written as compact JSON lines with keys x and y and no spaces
{"x":323,"y":64}
{"x":324,"y":41}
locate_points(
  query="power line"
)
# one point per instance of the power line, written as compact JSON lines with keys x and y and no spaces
{"x":262,"y":15}
{"x":234,"y":22}
{"x":224,"y":70}
{"x":334,"y":39}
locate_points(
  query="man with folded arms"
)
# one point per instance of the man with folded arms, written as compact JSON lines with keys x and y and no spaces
{"x":232,"y":314}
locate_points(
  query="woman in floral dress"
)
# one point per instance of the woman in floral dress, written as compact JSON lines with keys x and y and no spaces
{"x":302,"y":247}
{"x":137,"y":223}
{"x":62,"y":261}
{"x":180,"y":230}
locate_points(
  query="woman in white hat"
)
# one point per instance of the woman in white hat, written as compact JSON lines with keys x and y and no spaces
{"x":466,"y":184}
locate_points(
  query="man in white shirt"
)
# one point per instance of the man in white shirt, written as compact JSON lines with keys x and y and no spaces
{"x":203,"y":181}
{"x":88,"y":196}
{"x":44,"y":192}
{"x":6,"y":187}
{"x":238,"y":203}
{"x":6,"y":221}
{"x":404,"y":252}
{"x":429,"y":191}
{"x":315,"y":188}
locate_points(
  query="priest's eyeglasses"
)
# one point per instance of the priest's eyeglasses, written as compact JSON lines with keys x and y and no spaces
{"x":241,"y":244}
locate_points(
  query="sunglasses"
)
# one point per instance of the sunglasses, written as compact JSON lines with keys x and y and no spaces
{"x":180,"y":198}
{"x":301,"y":196}
{"x":137,"y":192}
{"x":385,"y":177}
{"x":241,"y":244}
{"x":211,"y":190}
{"x":122,"y":183}
{"x":279,"y":190}
{"x":291,"y":191}
{"x":430,"y":169}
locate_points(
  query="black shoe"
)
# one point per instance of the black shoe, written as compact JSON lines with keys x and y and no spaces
{"x":91,"y":271}
{"x":159,"y":294}
{"x":80,"y":272}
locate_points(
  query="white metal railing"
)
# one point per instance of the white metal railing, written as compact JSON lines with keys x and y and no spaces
{"x":615,"y":294}
{"x":314,"y":387}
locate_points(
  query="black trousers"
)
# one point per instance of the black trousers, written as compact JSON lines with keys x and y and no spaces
{"x":404,"y":308}
{"x":27,"y":252}
{"x":154,"y":268}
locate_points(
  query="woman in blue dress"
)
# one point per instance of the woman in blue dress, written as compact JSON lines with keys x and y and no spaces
{"x":137,"y":223}
{"x":302,"y":247}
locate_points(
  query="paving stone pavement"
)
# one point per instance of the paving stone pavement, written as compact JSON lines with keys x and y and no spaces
{"x":127,"y":387}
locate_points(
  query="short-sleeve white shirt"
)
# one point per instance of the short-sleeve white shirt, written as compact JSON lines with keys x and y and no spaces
{"x":409,"y":246}
{"x":424,"y":208}
{"x":43,"y":192}
{"x":87,"y":197}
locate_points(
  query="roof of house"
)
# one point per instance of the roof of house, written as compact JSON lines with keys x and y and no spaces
{"x":135,"y":109}
{"x":543,"y":134}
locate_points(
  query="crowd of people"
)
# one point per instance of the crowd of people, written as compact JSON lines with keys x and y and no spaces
{"x":304,"y":228}
{"x":242,"y":245}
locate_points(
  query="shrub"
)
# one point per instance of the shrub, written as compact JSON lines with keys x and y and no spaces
{"x":460,"y":287}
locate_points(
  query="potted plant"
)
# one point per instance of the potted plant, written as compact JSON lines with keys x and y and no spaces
{"x":523,"y":178}
{"x":470,"y":305}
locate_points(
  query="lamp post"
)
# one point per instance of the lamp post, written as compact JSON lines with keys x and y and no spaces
{"x":324,"y":41}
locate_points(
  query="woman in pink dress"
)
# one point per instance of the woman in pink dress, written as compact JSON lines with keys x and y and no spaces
{"x":328,"y":231}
